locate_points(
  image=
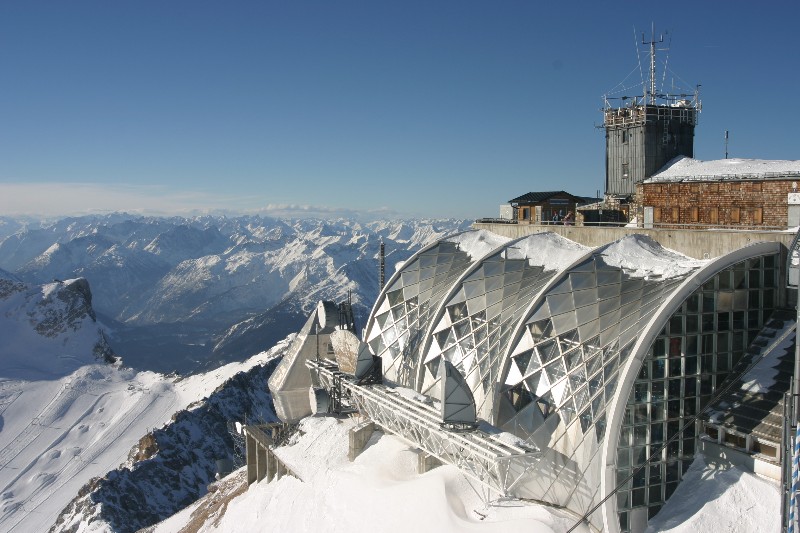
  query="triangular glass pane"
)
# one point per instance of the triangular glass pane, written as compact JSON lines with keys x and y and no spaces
{"x":577,"y":378}
{"x":574,"y":359}
{"x":519,"y":397}
{"x":547,"y":351}
{"x":522,"y":361}
{"x":555,"y":370}
{"x":532,"y":381}
{"x":443,"y":338}
{"x":541,"y":329}
{"x":594,"y":363}
{"x":382,"y":319}
{"x":462,"y":328}
{"x":395,"y":297}
{"x":546,"y":404}
{"x":433,"y":367}
{"x":568,"y":340}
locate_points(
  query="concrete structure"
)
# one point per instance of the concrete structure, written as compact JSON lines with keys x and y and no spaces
{"x":642,"y":138}
{"x":358,"y":438}
{"x":692,"y":242}
{"x":290,"y":382}
{"x":262,"y":463}
{"x":426,"y":462}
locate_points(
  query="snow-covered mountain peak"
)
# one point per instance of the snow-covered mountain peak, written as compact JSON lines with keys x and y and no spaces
{"x":49,"y":330}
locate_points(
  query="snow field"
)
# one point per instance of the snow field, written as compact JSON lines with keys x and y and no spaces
{"x":721,"y":499}
{"x":380,"y":491}
{"x":57,"y":435}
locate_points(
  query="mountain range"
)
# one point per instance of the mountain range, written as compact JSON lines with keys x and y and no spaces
{"x":189,"y":294}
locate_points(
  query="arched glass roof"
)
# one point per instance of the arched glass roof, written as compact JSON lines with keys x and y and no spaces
{"x":550,"y":337}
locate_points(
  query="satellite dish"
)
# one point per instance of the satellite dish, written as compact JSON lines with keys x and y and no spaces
{"x":458,"y":404}
{"x":346,"y":347}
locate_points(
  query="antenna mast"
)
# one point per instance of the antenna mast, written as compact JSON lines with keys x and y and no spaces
{"x":726,"y":144}
{"x":382,"y":268}
{"x":651,"y":97}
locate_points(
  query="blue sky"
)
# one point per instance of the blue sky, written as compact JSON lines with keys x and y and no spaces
{"x":417,"y":108}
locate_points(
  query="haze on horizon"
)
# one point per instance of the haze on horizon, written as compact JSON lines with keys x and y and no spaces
{"x":442,"y":109}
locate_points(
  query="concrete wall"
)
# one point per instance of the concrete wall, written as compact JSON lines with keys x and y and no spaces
{"x":700,"y":244}
{"x":358,"y":438}
{"x":262,"y":463}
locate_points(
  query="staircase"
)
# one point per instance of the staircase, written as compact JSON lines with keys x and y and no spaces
{"x":749,"y":417}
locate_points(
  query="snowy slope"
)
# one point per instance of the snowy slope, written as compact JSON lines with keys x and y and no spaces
{"x":720,"y":498}
{"x":56,"y":435}
{"x":173,"y":465}
{"x":380,"y":491}
{"x":48,"y":330}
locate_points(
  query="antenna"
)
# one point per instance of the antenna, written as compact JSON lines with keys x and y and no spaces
{"x":651,"y":98}
{"x":382,"y":267}
{"x":726,"y":144}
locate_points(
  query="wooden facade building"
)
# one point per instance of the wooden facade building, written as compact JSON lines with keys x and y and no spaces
{"x":545,"y":207}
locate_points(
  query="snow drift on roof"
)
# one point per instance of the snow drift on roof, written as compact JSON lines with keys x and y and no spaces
{"x":642,"y":257}
{"x":477,"y":243}
{"x":687,"y":169}
{"x":548,"y":250}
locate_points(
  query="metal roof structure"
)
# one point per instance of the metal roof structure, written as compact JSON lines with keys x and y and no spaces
{"x":539,"y":197}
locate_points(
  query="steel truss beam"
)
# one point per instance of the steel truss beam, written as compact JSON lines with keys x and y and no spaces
{"x":480,"y":455}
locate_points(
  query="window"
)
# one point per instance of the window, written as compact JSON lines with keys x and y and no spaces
{"x":656,"y":214}
{"x":734,"y":215}
{"x":758,"y":215}
{"x":625,"y":172}
{"x":676,"y":214}
{"x":624,"y":136}
{"x":694,"y":214}
{"x":713,"y":215}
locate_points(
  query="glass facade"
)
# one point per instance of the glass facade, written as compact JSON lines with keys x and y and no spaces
{"x":692,"y":356}
{"x":564,"y":369}
{"x":397,"y":331}
{"x":473,"y":330}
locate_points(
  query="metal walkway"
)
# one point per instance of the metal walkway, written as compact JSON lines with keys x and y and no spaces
{"x":481,"y":455}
